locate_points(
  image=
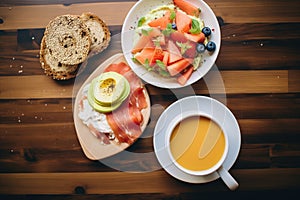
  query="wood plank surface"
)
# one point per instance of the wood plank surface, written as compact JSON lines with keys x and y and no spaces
{"x":158,"y":182}
{"x":254,"y":82}
{"x":48,"y":134}
{"x":266,"y":11}
{"x":12,"y":15}
{"x":261,"y":106}
{"x":256,"y":76}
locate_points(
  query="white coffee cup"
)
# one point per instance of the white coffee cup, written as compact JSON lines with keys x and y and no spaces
{"x":217,"y":167}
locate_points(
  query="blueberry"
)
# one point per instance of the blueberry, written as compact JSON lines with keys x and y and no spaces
{"x":206,"y":31}
{"x":210,"y":46}
{"x":174,"y":26}
{"x":200,"y":48}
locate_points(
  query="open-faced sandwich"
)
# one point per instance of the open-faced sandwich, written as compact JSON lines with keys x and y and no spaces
{"x":69,"y":40}
{"x":112,"y":105}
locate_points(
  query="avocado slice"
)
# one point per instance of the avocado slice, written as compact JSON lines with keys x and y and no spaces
{"x":108,"y":91}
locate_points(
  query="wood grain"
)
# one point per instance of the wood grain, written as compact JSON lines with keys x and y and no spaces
{"x":246,"y":106}
{"x":266,"y":11}
{"x":11,"y":15}
{"x":294,"y":82}
{"x":275,"y":81}
{"x":154,"y":182}
{"x":257,"y":78}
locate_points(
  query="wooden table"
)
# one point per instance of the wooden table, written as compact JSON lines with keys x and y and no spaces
{"x":41,"y":158}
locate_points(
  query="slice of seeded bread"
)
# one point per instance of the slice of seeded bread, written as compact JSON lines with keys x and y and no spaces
{"x":68,"y":39}
{"x":53,"y":67}
{"x":99,"y":32}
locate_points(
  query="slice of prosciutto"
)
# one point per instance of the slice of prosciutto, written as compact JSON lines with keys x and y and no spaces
{"x":126,"y":120}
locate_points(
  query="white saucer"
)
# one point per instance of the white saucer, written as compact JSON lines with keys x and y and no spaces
{"x":202,"y":105}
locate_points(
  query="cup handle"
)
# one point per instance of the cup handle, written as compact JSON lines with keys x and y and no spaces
{"x":227,"y":178}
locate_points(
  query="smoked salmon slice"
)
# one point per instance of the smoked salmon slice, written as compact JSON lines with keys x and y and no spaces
{"x":126,"y":120}
{"x":183,"y":78}
{"x":187,"y":7}
{"x":183,"y":22}
{"x":161,"y":22}
{"x":179,"y":66}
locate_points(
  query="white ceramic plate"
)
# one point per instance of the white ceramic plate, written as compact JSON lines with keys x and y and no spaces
{"x":141,"y":8}
{"x":92,"y":146}
{"x":195,"y":105}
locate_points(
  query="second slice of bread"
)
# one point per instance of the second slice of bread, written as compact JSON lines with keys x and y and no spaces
{"x":99,"y":32}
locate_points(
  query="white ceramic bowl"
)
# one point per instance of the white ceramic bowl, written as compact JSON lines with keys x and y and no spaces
{"x":140,"y":9}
